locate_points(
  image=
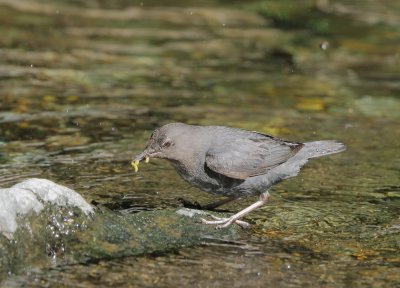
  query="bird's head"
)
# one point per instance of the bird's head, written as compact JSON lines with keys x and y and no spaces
{"x":171,"y":141}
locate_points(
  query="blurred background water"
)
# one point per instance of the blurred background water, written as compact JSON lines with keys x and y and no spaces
{"x":83,"y":84}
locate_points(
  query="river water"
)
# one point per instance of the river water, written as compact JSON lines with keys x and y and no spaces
{"x":82,"y":85}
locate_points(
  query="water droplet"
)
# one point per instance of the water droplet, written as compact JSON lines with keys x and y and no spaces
{"x":324,"y":45}
{"x":348,"y":126}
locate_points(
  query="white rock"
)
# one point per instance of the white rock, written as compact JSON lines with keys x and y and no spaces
{"x":30,"y":196}
{"x":190,"y":212}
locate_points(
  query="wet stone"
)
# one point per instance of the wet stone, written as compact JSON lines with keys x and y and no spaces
{"x":107,"y":73}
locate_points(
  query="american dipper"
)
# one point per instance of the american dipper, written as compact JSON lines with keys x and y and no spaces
{"x":231,"y":162}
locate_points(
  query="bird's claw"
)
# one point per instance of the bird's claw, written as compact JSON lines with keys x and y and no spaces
{"x":224,"y":222}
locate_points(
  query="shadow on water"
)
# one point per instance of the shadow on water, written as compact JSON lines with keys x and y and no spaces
{"x":83,"y":86}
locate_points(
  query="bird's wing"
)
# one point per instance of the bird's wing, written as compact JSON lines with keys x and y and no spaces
{"x":244,"y":157}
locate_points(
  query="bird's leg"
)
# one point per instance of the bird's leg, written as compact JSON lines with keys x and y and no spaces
{"x":241,"y":223}
{"x":225,"y":222}
{"x":213,"y":205}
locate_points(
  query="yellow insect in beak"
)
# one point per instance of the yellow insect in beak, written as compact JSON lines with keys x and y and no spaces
{"x":135,"y":165}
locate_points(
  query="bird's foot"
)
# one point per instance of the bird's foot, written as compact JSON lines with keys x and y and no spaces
{"x":225,"y":222}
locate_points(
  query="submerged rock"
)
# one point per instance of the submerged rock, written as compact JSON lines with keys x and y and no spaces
{"x":46,"y":224}
{"x":112,"y":235}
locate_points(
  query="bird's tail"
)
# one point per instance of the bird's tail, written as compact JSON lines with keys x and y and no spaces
{"x":322,"y":148}
{"x":310,"y":150}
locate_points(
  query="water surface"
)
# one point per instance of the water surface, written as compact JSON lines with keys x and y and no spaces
{"x":84,"y":84}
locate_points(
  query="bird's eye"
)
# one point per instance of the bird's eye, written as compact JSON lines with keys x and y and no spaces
{"x":167,"y":144}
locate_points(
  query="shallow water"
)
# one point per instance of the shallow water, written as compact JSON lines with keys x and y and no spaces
{"x":83,"y":87}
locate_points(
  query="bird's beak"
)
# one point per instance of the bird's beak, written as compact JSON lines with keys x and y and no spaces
{"x":146,"y":154}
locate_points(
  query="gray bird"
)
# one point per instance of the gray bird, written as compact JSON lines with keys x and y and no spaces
{"x":231,"y":162}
